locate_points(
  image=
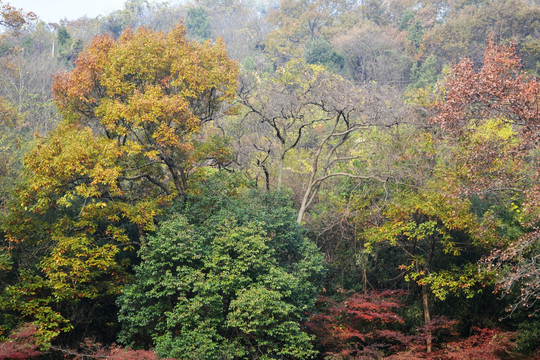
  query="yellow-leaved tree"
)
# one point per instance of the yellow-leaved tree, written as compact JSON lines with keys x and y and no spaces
{"x":130,"y":136}
{"x":151,"y":92}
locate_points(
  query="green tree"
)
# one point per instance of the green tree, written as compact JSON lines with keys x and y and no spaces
{"x":319,"y":51}
{"x":424,"y":74}
{"x":197,"y":23}
{"x":405,"y":20}
{"x":233,"y":283}
{"x":415,"y":38}
{"x":68,"y":48}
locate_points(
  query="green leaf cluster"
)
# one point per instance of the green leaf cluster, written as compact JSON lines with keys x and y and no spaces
{"x":231,"y":281}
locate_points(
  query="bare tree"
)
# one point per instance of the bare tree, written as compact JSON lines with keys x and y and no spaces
{"x":304,"y":109}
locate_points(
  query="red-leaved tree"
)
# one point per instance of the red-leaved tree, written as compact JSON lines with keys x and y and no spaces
{"x":485,"y":344}
{"x":359,"y":326}
{"x":21,"y":344}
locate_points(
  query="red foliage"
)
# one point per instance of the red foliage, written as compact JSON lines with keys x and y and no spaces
{"x":485,"y":344}
{"x":360,"y":325}
{"x":95,"y":350}
{"x":21,"y":344}
{"x":366,"y":326}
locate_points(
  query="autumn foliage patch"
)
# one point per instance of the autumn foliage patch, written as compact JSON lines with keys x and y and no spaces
{"x":20,"y":345}
{"x":359,"y":325}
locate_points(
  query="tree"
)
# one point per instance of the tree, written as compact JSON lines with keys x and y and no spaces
{"x":296,"y":114}
{"x":12,"y":105}
{"x":425,"y":74}
{"x":64,"y":229}
{"x":13,"y":18}
{"x":26,"y":80}
{"x":287,"y":108}
{"x":320,"y":52}
{"x":93,"y":187}
{"x":232,"y":278}
{"x":21,"y":344}
{"x":68,"y":48}
{"x":415,"y":38}
{"x":373,"y":53}
{"x":426,"y":225}
{"x":359,"y":325}
{"x":197,"y":23}
{"x":499,"y":89}
{"x":150,"y":92}
{"x":297,"y":22}
{"x":501,"y":97}
{"x":467,"y":26}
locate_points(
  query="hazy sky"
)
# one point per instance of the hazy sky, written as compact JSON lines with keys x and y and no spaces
{"x":54,"y":10}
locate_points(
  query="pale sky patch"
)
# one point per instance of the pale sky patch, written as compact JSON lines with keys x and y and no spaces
{"x":55,"y":10}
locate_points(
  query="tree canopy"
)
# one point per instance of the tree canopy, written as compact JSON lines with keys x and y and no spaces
{"x":315,"y":179}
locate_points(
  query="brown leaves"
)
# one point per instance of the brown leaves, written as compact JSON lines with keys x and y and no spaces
{"x":499,"y":96}
{"x":500,"y":89}
{"x":13,"y":18}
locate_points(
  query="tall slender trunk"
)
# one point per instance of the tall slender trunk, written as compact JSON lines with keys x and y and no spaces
{"x":425,"y":300}
{"x":427,"y":317}
{"x":364,"y":280}
{"x":302,"y":209}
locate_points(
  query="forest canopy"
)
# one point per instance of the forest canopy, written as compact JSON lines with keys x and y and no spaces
{"x":271,"y":180}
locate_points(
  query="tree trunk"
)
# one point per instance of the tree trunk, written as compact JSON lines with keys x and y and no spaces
{"x":427,"y":318}
{"x":176,"y":179}
{"x":425,"y":302}
{"x":305,"y":201}
{"x":302,"y":209}
{"x":280,"y":171}
{"x":266,"y":178}
{"x":364,"y":280}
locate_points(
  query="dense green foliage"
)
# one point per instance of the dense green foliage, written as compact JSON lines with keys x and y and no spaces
{"x":321,"y":52}
{"x":234,"y":283}
{"x":197,"y":23}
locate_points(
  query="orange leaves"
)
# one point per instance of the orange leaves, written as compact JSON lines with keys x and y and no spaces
{"x":13,"y":18}
{"x":150,"y":91}
{"x":146,"y":76}
{"x":76,"y":89}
